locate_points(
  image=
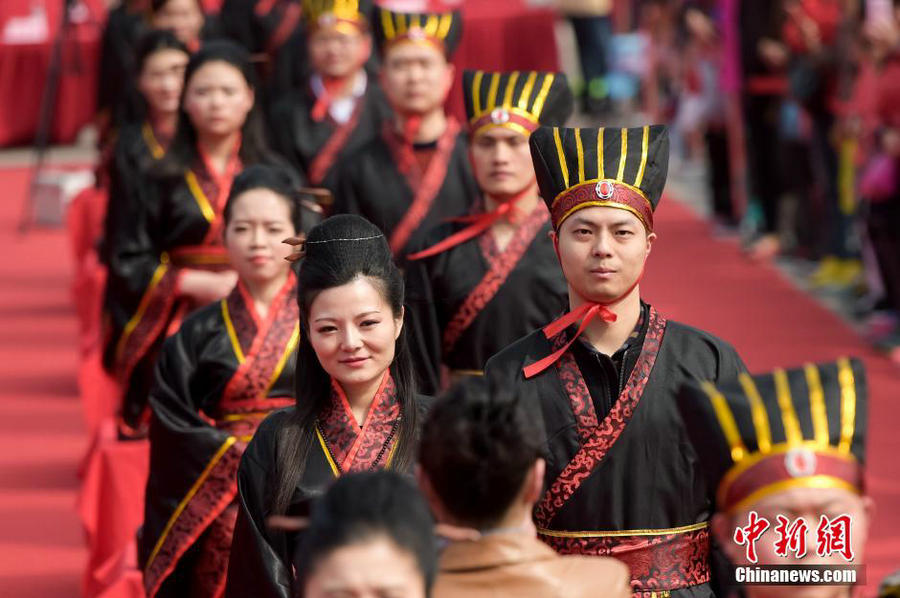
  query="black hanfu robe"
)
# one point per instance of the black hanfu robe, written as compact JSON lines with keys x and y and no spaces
{"x":318,"y":147}
{"x":261,"y":562}
{"x":472,"y":300}
{"x":623,"y":483}
{"x":154,"y":232}
{"x":386,"y":183}
{"x":224,"y":371}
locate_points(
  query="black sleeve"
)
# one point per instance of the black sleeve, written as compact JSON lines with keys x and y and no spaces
{"x":424,"y":333}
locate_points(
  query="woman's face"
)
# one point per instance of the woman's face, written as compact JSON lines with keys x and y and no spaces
{"x":375,"y":568}
{"x":161,"y":80}
{"x":184,"y":18}
{"x":352,"y":329}
{"x":260,"y":220}
{"x":217,"y":99}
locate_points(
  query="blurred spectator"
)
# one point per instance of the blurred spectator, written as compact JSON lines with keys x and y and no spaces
{"x":495,"y":447}
{"x":371,"y":534}
{"x":593,"y":29}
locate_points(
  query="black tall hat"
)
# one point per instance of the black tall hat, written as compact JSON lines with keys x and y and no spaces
{"x":442,"y":30}
{"x":519,"y":100}
{"x":610,"y":167}
{"x":757,"y":435}
{"x":337,"y":13}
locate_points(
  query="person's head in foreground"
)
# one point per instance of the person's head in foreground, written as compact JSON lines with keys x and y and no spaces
{"x":788,"y":447}
{"x":370,"y":536}
{"x":339,"y":40}
{"x":601,"y":187}
{"x":161,"y":59}
{"x":482,"y":471}
{"x":261,"y":210}
{"x":503,"y":110}
{"x":185,"y":18}
{"x":416,"y":73}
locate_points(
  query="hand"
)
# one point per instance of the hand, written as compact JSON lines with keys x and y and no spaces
{"x":206,"y":287}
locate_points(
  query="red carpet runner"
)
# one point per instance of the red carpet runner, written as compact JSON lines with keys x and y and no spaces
{"x":691,"y":278}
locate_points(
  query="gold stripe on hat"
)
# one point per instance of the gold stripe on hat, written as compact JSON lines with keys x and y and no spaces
{"x":848,"y":403}
{"x":446,"y":22}
{"x":492,"y":92}
{"x":387,"y":23}
{"x":542,"y":95}
{"x":726,"y":421}
{"x":580,"y":151}
{"x":562,"y":157}
{"x":600,"y":174}
{"x":415,"y":21}
{"x":623,"y":155}
{"x":792,"y":431}
{"x":510,"y":86}
{"x":402,"y":24}
{"x":817,"y":404}
{"x":476,"y":92}
{"x":431,"y":25}
{"x":645,"y":143}
{"x":758,"y":412}
{"x":526,"y":91}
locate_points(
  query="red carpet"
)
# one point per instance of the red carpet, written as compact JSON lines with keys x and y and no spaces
{"x":691,"y":278}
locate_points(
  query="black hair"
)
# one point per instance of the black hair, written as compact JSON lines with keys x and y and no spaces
{"x":182,"y":152}
{"x":490,"y":442}
{"x":157,"y":5}
{"x":156,"y":40}
{"x":276,"y":179}
{"x":339,"y":250}
{"x":133,"y":107}
{"x":365,"y":506}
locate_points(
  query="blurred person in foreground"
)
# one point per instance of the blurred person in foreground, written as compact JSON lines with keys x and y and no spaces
{"x":416,"y":173}
{"x":339,"y":108}
{"x":604,"y":388}
{"x":494,"y":446}
{"x":370,"y":535}
{"x":492,"y":277}
{"x":786,"y":448}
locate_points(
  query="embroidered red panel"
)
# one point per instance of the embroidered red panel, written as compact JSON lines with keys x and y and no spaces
{"x":595,"y":448}
{"x":329,"y":152}
{"x":658,"y":563}
{"x":498,"y":271}
{"x":356,"y":448}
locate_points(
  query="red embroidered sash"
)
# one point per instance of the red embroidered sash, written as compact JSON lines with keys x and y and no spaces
{"x":210,"y":191}
{"x":597,"y":439}
{"x":501,"y":265}
{"x":351,"y":448}
{"x":659,"y":560}
{"x":262,"y":348}
{"x":425,"y":186}
{"x":326,"y":157}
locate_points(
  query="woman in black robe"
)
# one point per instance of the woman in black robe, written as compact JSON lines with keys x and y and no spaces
{"x":229,"y":365}
{"x":357,"y":408}
{"x":165,"y":250}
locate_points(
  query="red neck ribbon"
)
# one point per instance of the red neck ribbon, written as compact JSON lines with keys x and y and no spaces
{"x":586,"y":312}
{"x":331,"y":89}
{"x":479,"y":224}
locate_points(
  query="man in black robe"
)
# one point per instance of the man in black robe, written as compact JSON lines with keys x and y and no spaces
{"x":340,"y":108}
{"x":784,"y":454}
{"x":415,"y":174}
{"x":621,"y":477}
{"x":471,"y":292}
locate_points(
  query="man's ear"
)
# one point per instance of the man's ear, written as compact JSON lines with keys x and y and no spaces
{"x":651,"y":237}
{"x":554,"y":236}
{"x":534,"y":482}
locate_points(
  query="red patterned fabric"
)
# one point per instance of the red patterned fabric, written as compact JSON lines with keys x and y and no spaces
{"x":326,"y":157}
{"x":214,"y":495}
{"x":662,"y":562}
{"x":500,"y":268}
{"x":587,"y":194}
{"x":248,"y":387}
{"x":210,"y":571}
{"x":425,"y":185}
{"x":216,"y":188}
{"x":579,"y":395}
{"x":361,"y":448}
{"x":594,"y":449}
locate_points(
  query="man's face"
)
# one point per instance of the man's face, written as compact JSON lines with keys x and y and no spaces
{"x":810,"y":504}
{"x":602,"y":252}
{"x":338,"y":52}
{"x":502,"y":161}
{"x":416,"y":77}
